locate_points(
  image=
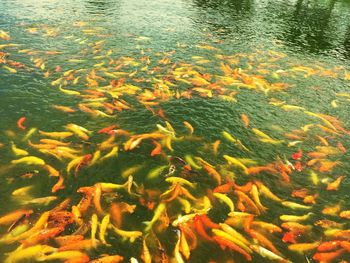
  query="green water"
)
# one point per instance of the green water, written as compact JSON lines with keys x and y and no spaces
{"x":275,"y":36}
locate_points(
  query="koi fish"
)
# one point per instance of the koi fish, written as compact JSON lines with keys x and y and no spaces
{"x":14,"y":216}
{"x":64,"y":255}
{"x":131,"y":235}
{"x":30,"y":160}
{"x":293,"y":205}
{"x":40,"y":201}
{"x":109,"y":259}
{"x":303,"y":247}
{"x":17,"y":151}
{"x":235,"y":162}
{"x":225,"y":199}
{"x":56,"y":135}
{"x":20,"y":123}
{"x":30,"y":253}
{"x":265,"y":253}
{"x":161,"y":208}
{"x":293,"y":218}
{"x":81,"y":132}
{"x":189,"y":127}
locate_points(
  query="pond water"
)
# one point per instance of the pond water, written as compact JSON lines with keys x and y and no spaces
{"x":233,"y":93}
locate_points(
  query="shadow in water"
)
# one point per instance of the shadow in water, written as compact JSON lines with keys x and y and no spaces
{"x":310,"y":26}
{"x":101,"y":7}
{"x":238,"y":6}
{"x":347,"y":43}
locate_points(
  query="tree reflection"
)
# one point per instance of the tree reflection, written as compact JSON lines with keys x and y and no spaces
{"x":310,"y":26}
{"x":347,"y":43}
{"x":223,"y":17}
{"x":239,"y":6}
{"x":101,"y":7}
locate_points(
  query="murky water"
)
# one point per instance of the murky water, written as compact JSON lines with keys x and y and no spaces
{"x":280,"y":63}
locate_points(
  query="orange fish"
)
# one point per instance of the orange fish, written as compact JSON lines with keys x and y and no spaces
{"x":42,"y":236}
{"x":157,"y":150}
{"x":245,"y":120}
{"x":20,"y":123}
{"x":64,"y":108}
{"x":198,"y":225}
{"x":328,"y":246}
{"x":341,"y":147}
{"x":65,"y":240}
{"x":328,"y":256}
{"x":216,"y":146}
{"x":14,"y":216}
{"x":59,"y":185}
{"x":227,"y":243}
{"x":213,"y":173}
{"x":335,"y":184}
{"x":107,"y":129}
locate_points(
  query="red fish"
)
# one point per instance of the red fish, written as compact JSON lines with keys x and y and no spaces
{"x":107,"y":129}
{"x":20,"y":123}
{"x":207,"y":222}
{"x":198,"y":225}
{"x":297,"y":155}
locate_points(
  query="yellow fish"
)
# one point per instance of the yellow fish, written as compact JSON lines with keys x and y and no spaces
{"x":131,"y":235}
{"x":30,"y":160}
{"x":18,"y":151}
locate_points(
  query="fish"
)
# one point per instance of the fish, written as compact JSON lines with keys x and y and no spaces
{"x":40,"y":201}
{"x":30,"y":253}
{"x":227,"y":243}
{"x":189,"y":127}
{"x":109,"y":259}
{"x":146,"y":255}
{"x":225,"y":199}
{"x":64,"y":255}
{"x":14,"y":216}
{"x":42,"y":236}
{"x":20,"y":123}
{"x":69,"y":92}
{"x":231,"y":238}
{"x":57,"y":135}
{"x":131,"y":235}
{"x":335,"y":184}
{"x":30,"y":160}
{"x":181,"y":181}
{"x":265,"y":253}
{"x":161,"y":208}
{"x":23,"y":191}
{"x":303,"y":247}
{"x":81,"y":132}
{"x":294,"y":206}
{"x":156,"y":172}
{"x":17,"y":151}
{"x":245,"y":120}
{"x":29,"y":134}
{"x":294,"y":218}
{"x":235,"y":162}
{"x":94,"y":225}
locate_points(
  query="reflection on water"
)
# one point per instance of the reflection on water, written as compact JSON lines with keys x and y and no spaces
{"x":316,"y":27}
{"x":310,"y":27}
{"x":101,"y":7}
